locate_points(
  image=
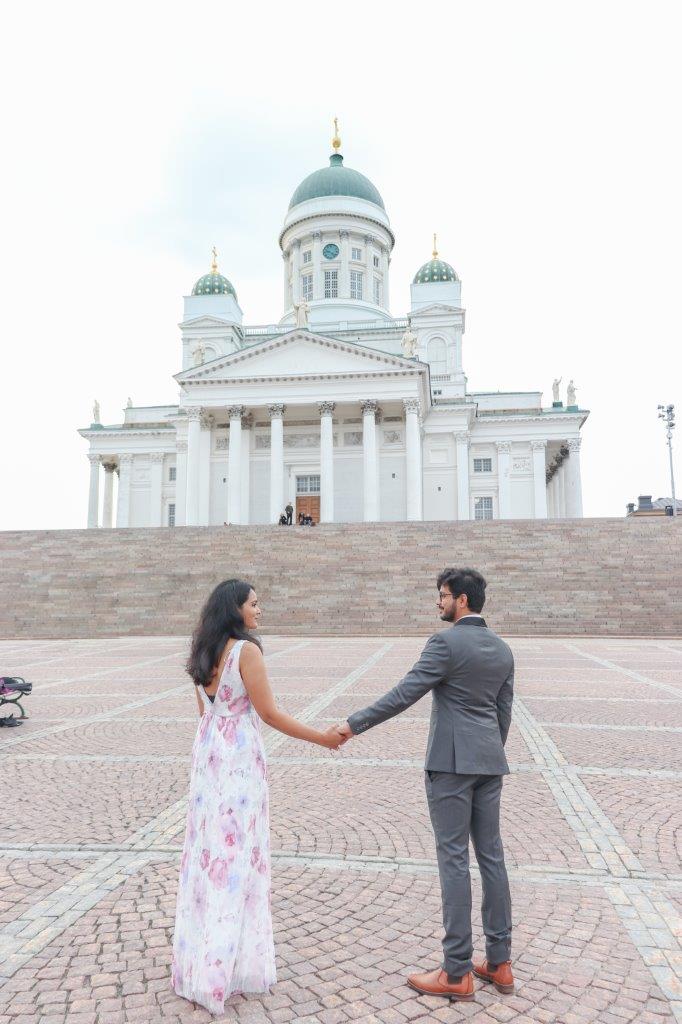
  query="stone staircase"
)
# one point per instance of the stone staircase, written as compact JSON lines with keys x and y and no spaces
{"x":605,"y":577}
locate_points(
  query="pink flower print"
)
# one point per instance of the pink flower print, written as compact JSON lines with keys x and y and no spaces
{"x":225,"y":693}
{"x":199,"y":901}
{"x":255,"y":856}
{"x":204,"y":859}
{"x":218,"y":872}
{"x":214,"y":764}
{"x":227,"y":727}
{"x":240,"y":705}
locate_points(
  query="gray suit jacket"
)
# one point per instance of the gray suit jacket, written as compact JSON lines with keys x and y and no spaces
{"x":470,"y":672}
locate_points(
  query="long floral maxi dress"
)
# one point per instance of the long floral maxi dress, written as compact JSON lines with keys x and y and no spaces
{"x":223,"y":929}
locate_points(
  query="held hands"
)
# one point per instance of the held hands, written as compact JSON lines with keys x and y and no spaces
{"x":336,"y":735}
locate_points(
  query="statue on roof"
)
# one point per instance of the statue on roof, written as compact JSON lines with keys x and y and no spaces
{"x":302,"y":309}
{"x":129,"y":403}
{"x":409,"y":342}
{"x":556,"y":398}
{"x":570,"y":393}
{"x":95,"y":412}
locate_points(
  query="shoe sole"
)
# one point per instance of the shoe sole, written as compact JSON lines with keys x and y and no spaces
{"x":506,"y":990}
{"x":444,"y":995}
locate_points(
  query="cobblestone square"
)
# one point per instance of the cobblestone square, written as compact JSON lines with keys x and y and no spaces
{"x":93,"y":818}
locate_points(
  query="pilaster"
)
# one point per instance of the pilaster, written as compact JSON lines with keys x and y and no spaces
{"x":326,"y":410}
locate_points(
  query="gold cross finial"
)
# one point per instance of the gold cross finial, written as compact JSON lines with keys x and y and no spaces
{"x":336,"y":141}
{"x":435,"y":250}
{"x":214,"y":263}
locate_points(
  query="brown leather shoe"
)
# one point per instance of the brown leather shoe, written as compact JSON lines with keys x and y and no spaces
{"x":435,"y":983}
{"x":501,"y":976}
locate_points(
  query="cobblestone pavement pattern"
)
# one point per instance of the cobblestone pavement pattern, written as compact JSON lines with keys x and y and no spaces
{"x":93,"y":807}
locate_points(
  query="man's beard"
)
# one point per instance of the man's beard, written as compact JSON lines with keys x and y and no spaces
{"x":448,"y":616}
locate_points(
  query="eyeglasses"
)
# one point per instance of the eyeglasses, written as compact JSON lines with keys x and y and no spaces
{"x":442,"y":595}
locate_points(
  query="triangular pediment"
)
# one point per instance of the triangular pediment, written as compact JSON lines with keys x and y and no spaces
{"x":435,"y":308}
{"x":299,"y":353}
{"x":206,"y":321}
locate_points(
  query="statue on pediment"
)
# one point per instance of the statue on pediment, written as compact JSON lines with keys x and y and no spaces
{"x":129,"y":403}
{"x":96,"y":413}
{"x":301,"y":309}
{"x":556,"y":398}
{"x":199,"y":354}
{"x":409,"y":342}
{"x":570,"y":393}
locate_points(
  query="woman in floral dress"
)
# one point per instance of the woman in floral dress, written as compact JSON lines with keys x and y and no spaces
{"x":223,"y":929}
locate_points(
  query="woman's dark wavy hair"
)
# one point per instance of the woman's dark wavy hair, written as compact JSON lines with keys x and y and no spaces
{"x":220,"y":620}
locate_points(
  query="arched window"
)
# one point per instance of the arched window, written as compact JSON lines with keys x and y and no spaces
{"x":438,"y":356}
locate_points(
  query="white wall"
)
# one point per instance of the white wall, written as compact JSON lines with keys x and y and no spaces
{"x":440,"y":477}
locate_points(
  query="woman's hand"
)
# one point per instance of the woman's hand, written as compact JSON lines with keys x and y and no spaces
{"x":332,"y":739}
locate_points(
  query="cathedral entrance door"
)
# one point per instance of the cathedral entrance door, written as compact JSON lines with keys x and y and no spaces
{"x":308,"y":496}
{"x":309,"y":505}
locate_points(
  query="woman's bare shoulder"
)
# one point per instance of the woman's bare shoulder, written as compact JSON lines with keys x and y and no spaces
{"x":250,"y":653}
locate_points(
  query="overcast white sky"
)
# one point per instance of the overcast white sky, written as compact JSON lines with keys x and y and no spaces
{"x":541,"y":140}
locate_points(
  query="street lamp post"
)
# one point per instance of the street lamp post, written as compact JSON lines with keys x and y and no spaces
{"x":667,"y":414}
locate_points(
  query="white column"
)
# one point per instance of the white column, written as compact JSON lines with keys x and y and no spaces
{"x":344,"y":269}
{"x":181,"y":484}
{"x":247,"y":423}
{"x":574,"y":491}
{"x":125,"y":472}
{"x":287,"y":265}
{"x":156,"y":487}
{"x":550,"y":498}
{"x":413,"y":462}
{"x":276,"y":413}
{"x":93,"y":493}
{"x":370,"y":500}
{"x":296,"y":271}
{"x":193,"y":456}
{"x":234,"y":467}
{"x":539,"y":478}
{"x":206,"y":422}
{"x":318,"y":289}
{"x":384,"y":272}
{"x":326,"y":461}
{"x":463,"y":497}
{"x":108,"y":510}
{"x":560,"y":492}
{"x":503,"y":481}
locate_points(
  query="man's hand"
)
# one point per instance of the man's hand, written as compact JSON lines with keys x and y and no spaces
{"x":345,"y":731}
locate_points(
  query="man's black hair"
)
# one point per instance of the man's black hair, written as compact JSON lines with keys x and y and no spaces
{"x":464,"y":581}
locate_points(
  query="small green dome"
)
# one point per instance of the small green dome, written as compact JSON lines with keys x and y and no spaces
{"x":336,"y":180}
{"x":213,"y":284}
{"x":433,"y":271}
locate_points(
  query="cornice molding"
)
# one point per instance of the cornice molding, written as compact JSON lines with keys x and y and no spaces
{"x":122,"y":433}
{"x":234,"y":382}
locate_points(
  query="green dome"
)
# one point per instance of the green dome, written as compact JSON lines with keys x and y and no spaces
{"x":336,"y":180}
{"x":435,"y":270}
{"x":213,"y":284}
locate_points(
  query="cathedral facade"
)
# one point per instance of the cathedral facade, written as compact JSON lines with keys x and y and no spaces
{"x":342,"y":410}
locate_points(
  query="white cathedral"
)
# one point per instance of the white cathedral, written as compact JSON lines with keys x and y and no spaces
{"x":341,"y":409}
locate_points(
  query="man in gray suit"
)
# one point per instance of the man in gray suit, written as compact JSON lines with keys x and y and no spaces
{"x":470,"y":672}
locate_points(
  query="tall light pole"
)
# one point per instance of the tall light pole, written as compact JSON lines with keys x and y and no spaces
{"x":667,"y":414}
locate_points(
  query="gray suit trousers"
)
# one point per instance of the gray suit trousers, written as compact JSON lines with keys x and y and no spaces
{"x":461,"y":806}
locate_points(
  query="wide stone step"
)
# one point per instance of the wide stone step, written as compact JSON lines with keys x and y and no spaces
{"x":590,"y":576}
